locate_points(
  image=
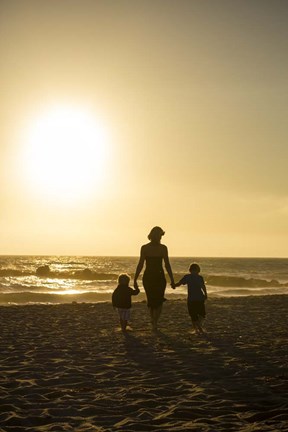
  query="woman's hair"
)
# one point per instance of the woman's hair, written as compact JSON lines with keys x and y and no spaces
{"x":155,"y":233}
{"x":123,"y":279}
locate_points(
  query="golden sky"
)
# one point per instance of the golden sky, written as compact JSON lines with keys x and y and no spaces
{"x":120,"y":115}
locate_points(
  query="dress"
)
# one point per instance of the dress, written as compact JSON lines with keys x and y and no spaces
{"x":154,"y":281}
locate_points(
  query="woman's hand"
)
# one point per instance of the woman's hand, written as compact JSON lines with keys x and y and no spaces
{"x":136,"y":285}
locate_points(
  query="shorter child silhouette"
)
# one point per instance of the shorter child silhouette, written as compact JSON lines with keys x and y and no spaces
{"x":197,"y":294}
{"x":121,"y":299}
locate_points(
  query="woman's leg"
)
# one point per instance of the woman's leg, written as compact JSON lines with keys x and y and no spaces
{"x":155,"y":315}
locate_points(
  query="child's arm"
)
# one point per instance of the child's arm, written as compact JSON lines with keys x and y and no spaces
{"x":181,"y":282}
{"x":205,"y":290}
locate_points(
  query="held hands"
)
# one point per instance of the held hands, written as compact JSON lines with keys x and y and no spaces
{"x":173,"y":285}
{"x":136,"y":285}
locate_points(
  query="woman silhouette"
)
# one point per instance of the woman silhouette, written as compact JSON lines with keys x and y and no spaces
{"x":154,"y":282}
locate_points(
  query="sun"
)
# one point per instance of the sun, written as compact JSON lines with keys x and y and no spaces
{"x":65,"y":154}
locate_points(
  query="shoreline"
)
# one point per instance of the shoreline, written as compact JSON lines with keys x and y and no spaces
{"x":68,"y":367}
{"x":32,"y":298}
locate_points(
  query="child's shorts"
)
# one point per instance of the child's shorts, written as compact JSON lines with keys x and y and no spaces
{"x":196,"y":309}
{"x":124,"y":314}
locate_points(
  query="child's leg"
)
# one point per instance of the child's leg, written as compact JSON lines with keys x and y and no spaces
{"x":123,"y":324}
{"x":124,"y":316}
{"x":201,"y":321}
{"x":193,"y":316}
{"x":199,"y":326}
{"x":195,"y":325}
{"x":201,"y":316}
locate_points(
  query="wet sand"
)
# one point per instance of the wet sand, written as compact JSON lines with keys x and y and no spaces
{"x":69,"y":368}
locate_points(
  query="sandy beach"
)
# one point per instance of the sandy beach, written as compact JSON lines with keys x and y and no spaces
{"x":69,"y":368}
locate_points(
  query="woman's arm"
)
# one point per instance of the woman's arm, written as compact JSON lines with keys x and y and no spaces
{"x":135,"y":291}
{"x":139,"y":266}
{"x":168,"y":266}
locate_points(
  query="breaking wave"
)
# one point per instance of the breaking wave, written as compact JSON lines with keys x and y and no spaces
{"x":236,"y":281}
{"x":29,"y":280}
{"x":87,"y":274}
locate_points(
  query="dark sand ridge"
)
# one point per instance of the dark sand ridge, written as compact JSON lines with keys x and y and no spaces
{"x":69,"y":368}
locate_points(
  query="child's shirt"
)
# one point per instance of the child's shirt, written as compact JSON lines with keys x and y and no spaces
{"x":121,"y":297}
{"x":196,"y":285}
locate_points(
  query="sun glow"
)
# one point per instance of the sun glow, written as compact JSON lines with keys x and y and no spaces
{"x":65,"y":154}
{"x":69,"y":292}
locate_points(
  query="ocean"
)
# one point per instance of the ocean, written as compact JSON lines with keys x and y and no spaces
{"x":66,"y":279}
